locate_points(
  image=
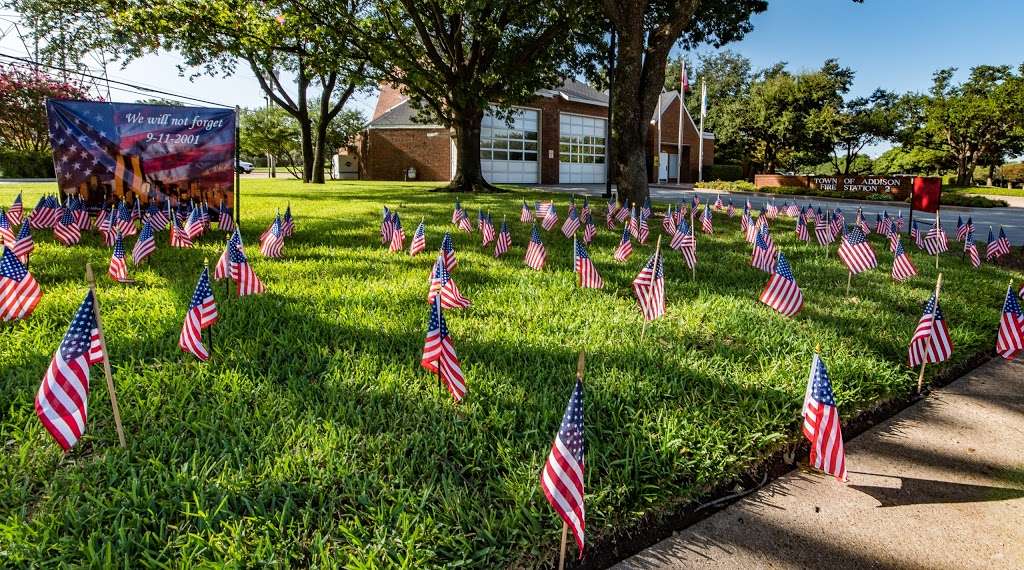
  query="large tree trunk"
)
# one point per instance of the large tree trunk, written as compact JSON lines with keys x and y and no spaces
{"x":306,"y":135}
{"x":633,"y":102}
{"x":468,"y":174}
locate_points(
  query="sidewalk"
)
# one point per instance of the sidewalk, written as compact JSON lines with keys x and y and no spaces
{"x":941,"y":485}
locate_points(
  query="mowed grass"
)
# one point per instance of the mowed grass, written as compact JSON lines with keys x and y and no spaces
{"x":314,"y":438}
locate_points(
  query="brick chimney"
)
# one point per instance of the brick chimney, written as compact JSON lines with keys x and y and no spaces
{"x":389,"y":98}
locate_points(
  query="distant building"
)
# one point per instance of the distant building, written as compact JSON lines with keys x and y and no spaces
{"x":560,"y":137}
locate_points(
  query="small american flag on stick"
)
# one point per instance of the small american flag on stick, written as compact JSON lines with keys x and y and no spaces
{"x":118,"y":270}
{"x":649,"y":286}
{"x":536,"y":253}
{"x":504,"y":240}
{"x":821,"y":423}
{"x":931,"y":342}
{"x":856,"y":252}
{"x":201,"y":314}
{"x":442,"y":284}
{"x":625,"y":247}
{"x":562,"y":476}
{"x":19,"y":292}
{"x":1010,"y":338}
{"x":419,"y":240}
{"x":586,"y":272}
{"x":782,"y":293}
{"x":902,"y":268}
{"x":14,"y":215}
{"x":24,"y":245}
{"x":439,"y":353}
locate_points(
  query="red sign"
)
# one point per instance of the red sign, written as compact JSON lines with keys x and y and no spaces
{"x":926,"y":194}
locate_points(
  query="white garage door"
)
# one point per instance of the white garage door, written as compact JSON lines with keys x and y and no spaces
{"x":508,"y":153}
{"x":581,"y":149}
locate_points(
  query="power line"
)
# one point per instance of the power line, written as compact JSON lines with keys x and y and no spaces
{"x":145,"y":90}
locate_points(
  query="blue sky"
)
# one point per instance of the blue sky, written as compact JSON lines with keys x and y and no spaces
{"x":895,"y":44}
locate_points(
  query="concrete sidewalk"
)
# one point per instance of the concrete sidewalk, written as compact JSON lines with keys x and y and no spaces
{"x":941,"y":485}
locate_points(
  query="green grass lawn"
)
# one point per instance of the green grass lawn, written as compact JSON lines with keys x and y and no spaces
{"x":985,"y":190}
{"x":313,"y":437}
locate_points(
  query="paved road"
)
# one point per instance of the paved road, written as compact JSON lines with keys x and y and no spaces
{"x":939,"y":486}
{"x":1012,"y":219}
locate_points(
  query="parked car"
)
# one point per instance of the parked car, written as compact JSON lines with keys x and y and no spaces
{"x":244,"y":167}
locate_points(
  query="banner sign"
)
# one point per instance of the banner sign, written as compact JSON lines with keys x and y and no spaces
{"x":109,"y":152}
{"x":927,"y":192}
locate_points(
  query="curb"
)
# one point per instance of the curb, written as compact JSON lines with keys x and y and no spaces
{"x":798,"y":197}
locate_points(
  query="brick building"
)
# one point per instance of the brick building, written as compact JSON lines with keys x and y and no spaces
{"x":560,"y":137}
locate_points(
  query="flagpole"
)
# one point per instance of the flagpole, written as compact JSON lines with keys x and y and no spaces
{"x":849,"y":279}
{"x":938,"y":228}
{"x":682,"y":108}
{"x":700,"y":146}
{"x":206,"y":267}
{"x":91,"y":280}
{"x":928,"y":341}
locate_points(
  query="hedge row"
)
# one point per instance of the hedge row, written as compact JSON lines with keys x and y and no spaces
{"x":25,"y":164}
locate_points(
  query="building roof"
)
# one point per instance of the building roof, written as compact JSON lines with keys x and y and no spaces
{"x":393,"y":109}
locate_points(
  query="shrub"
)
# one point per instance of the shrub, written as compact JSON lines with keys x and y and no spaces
{"x":727,"y":185}
{"x":25,"y":164}
{"x":951,"y":199}
{"x":725,"y":172}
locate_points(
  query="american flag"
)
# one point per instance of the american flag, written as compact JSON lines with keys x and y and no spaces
{"x":572,"y":222}
{"x":899,"y":221}
{"x":81,"y":214}
{"x":649,"y":287}
{"x":585,"y":211}
{"x":645,"y":210}
{"x":668,"y":223}
{"x":801,"y":229}
{"x":441,"y":283}
{"x":585,"y":269}
{"x":634,"y":223}
{"x":856,"y":252}
{"x":718,"y":202}
{"x":539,"y":209}
{"x":931,"y":342}
{"x":67,"y":230}
{"x":705,"y":221}
{"x":625,"y":248}
{"x":288,"y":222}
{"x":902,"y":268}
{"x":386,"y":226}
{"x":124,"y":220}
{"x":686,"y":243}
{"x":448,"y":251}
{"x":6,"y":234}
{"x":457,"y":212}
{"x":894,"y":236}
{"x":118,"y":270}
{"x":44,"y":215}
{"x":861,"y":223}
{"x":157,"y":216}
{"x":935,"y":241}
{"x":694,"y":202}
{"x":136,"y":210}
{"x":745,"y":223}
{"x":224,"y":221}
{"x":525,"y":215}
{"x":105,"y":225}
{"x":223,"y":268}
{"x":273,"y":241}
{"x":730,"y":210}
{"x":179,"y":237}
{"x":562,"y":477}
{"x":439,"y":354}
{"x":838,"y":222}
{"x":622,"y":213}
{"x":480,"y":219}
{"x":793,"y":210}
{"x":782,"y":293}
{"x":753,"y":227}
{"x":643,"y":230}
{"x":963,"y":230}
{"x":419,"y":240}
{"x":1010,"y":339}
{"x":463,"y":222}
{"x":536,"y":254}
{"x":550,"y":218}
{"x":971,"y":248}
{"x":915,"y":234}
{"x":397,"y":233}
{"x":194,"y":225}
{"x":63,"y":396}
{"x":246,"y":281}
{"x":202,"y":314}
{"x":487,"y":229}
{"x":772,"y":210}
{"x":19,"y":292}
{"x":504,"y":240}
{"x":821,"y":423}
{"x":886,"y":228}
{"x":24,"y":245}
{"x":589,"y":229}
{"x":613,"y":208}
{"x":17,"y":210}
{"x":763,"y":256}
{"x":878,"y":225}
{"x":145,"y":245}
{"x":1003,"y":241}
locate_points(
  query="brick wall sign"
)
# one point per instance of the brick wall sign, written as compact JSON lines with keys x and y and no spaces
{"x":899,"y":186}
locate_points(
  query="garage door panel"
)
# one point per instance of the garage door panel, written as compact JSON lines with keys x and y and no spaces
{"x":509,"y":153}
{"x":581,"y":149}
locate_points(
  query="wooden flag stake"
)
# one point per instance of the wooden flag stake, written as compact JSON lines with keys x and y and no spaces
{"x":91,"y":280}
{"x":206,"y":267}
{"x":938,"y":228}
{"x":849,"y":279}
{"x":928,"y":341}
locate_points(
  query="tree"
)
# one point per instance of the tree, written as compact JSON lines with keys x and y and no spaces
{"x":160,"y":101}
{"x":778,"y":123}
{"x":855,"y":124}
{"x":455,"y":60}
{"x":23,"y":94}
{"x":981,"y":119}
{"x":270,"y":37}
{"x":916,"y":160}
{"x":273,"y":132}
{"x":645,"y":31}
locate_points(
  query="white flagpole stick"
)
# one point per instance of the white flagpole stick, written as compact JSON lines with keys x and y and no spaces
{"x":91,"y":280}
{"x":849,"y":279}
{"x":938,"y":228}
{"x":928,"y":341}
{"x":209,"y":330}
